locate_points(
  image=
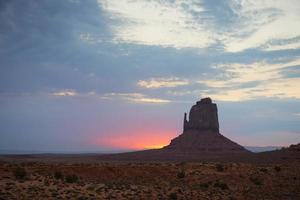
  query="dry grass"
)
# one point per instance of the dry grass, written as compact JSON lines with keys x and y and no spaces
{"x":121,"y":180}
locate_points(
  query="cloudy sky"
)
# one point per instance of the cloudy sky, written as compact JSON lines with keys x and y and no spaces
{"x":107,"y":75}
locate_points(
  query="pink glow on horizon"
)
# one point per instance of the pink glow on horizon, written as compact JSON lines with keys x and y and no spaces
{"x":137,"y":140}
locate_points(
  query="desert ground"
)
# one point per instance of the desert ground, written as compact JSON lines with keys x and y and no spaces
{"x":21,"y":179}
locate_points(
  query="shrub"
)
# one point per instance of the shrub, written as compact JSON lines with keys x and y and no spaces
{"x":20,"y":173}
{"x":58,"y":175}
{"x":219,"y":167}
{"x":277,"y":168}
{"x":173,"y":196}
{"x":264,"y":170}
{"x":182,"y":164}
{"x":181,"y":174}
{"x":71,"y":178}
{"x":256,"y":180}
{"x":223,"y":186}
{"x":204,"y":185}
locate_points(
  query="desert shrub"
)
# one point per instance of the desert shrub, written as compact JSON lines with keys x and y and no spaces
{"x":222,"y":186}
{"x":54,"y":194}
{"x":204,"y":185}
{"x":277,"y":168}
{"x":181,"y":174}
{"x":58,"y":175}
{"x":173,"y":196}
{"x":71,"y":178}
{"x":256,"y":180}
{"x":264,"y":170}
{"x":20,"y":173}
{"x":219,"y":167}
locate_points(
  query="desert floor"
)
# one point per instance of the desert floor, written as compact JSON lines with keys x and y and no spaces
{"x":155,"y":180}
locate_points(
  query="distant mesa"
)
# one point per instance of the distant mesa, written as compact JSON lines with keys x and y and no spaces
{"x":294,"y":147}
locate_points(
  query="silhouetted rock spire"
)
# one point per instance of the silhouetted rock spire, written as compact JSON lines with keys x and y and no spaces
{"x":202,"y":116}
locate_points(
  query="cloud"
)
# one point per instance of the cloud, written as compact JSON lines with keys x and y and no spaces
{"x":233,"y":74}
{"x":261,"y":22}
{"x":183,"y":92}
{"x":73,"y":93}
{"x":162,"y":82}
{"x":281,"y":89}
{"x":248,"y":81}
{"x":293,"y":43}
{"x":267,"y":25}
{"x":134,"y":97}
{"x":63,"y":93}
{"x":89,"y":38}
{"x":163,"y":23}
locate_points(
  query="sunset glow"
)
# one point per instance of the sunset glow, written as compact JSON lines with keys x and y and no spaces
{"x":137,"y":140}
{"x":98,"y":75}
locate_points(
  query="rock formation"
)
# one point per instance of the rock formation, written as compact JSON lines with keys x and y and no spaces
{"x":201,"y":133}
{"x":203,"y":116}
{"x":200,"y":140}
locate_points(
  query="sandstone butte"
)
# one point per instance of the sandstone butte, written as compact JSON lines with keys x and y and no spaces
{"x":200,"y":140}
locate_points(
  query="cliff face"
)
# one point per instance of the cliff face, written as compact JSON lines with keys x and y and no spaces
{"x":201,"y":133}
{"x":203,"y":116}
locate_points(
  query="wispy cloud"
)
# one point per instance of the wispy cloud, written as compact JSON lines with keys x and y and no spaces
{"x":268,"y":80}
{"x":89,"y":38}
{"x":72,"y":93}
{"x":263,"y":22}
{"x":162,"y":82}
{"x":246,"y":81}
{"x":292,"y":43}
{"x":183,"y":92}
{"x":63,"y":93}
{"x":163,"y":23}
{"x":234,"y":74}
{"x":268,"y":24}
{"x":134,"y":97}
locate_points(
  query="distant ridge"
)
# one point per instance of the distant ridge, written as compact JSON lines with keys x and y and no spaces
{"x":31,"y":152}
{"x":258,"y":149}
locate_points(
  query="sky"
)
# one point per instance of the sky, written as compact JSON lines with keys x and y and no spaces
{"x":115,"y":75}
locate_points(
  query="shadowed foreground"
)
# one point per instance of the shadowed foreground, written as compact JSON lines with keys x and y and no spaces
{"x":156,"y":180}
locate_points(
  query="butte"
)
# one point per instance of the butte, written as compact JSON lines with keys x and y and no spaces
{"x":200,"y":140}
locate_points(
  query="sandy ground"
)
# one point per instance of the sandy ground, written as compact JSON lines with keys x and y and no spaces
{"x":150,"y":180}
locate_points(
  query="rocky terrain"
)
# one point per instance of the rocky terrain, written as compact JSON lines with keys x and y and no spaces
{"x":148,"y":180}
